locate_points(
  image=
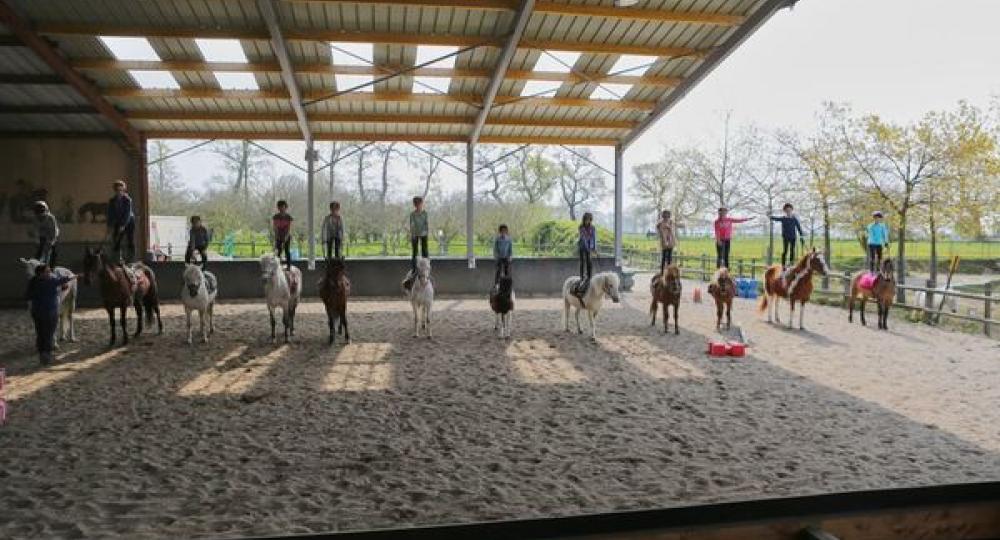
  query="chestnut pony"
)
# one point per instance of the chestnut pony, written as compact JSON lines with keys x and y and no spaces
{"x":883,"y":291}
{"x":795,"y":286}
{"x":723,"y":290}
{"x":118,"y":291}
{"x":666,"y":290}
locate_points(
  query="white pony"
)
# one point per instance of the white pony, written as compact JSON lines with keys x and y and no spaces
{"x":67,"y":299}
{"x":422,"y":298}
{"x":601,"y":285}
{"x":198,"y":294}
{"x":282,"y":289}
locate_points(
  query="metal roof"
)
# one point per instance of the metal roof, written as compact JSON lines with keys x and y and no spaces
{"x":686,"y":37}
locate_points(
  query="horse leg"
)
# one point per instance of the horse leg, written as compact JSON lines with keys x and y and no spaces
{"x":286,"y":322}
{"x":677,"y":329}
{"x":427,"y":322}
{"x":652,"y":311}
{"x":187,"y":315}
{"x":791,"y":312}
{"x":666,"y":318}
{"x":593,"y":327}
{"x":124,"y":315}
{"x":343,"y":324}
{"x":202,"y":313}
{"x":270,"y":311}
{"x":850,"y":308}
{"x":330,"y":321}
{"x":579,"y":329}
{"x":111,"y":322}
{"x":565,"y":315}
{"x":497,"y":323}
{"x":211,"y":318}
{"x":718,"y":314}
{"x":802,"y":315}
{"x":138,"y":315}
{"x":777,"y":313}
{"x":416,"y":321}
{"x":729,"y":314}
{"x":864,"y":300}
{"x":156,"y":310}
{"x":72,"y":326}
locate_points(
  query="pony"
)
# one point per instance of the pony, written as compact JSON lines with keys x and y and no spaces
{"x":666,"y":290}
{"x":67,"y":299}
{"x":883,"y":289}
{"x":119,"y":289}
{"x":198,"y":294}
{"x":601,"y":285}
{"x":795,"y":285}
{"x":422,"y":298}
{"x":502,"y":303}
{"x":282,"y":289}
{"x":723,"y":290}
{"x":334,"y":288}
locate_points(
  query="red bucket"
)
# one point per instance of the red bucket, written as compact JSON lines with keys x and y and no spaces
{"x":737,"y":349}
{"x":718,"y":348}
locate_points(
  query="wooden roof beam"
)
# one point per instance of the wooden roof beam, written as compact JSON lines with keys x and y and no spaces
{"x":403,"y":137}
{"x":48,"y":54}
{"x":269,"y":14}
{"x":86,"y":29}
{"x":100,"y":64}
{"x":555,"y":8}
{"x":509,"y":48}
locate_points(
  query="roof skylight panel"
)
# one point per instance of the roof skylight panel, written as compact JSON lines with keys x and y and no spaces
{"x":431,"y":85}
{"x":540,"y":88}
{"x":236,"y":81}
{"x":633,"y":64}
{"x":130,"y":48}
{"x":155,"y":79}
{"x":221,"y":50}
{"x":347,"y":82}
{"x":426,"y":53}
{"x":352,"y":54}
{"x":611,"y":91}
{"x":557,"y":61}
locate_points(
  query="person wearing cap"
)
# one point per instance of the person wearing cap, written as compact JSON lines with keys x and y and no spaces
{"x":47,"y":232}
{"x":789,"y":227}
{"x":878,"y":239}
{"x":724,"y":236}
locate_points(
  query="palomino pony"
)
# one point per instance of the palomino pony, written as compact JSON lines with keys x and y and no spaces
{"x":666,"y":290}
{"x":882,"y":288}
{"x":334,"y":289}
{"x":502,"y":303}
{"x":67,"y":299}
{"x":118,"y":291}
{"x":422,"y":298}
{"x":198,"y":294}
{"x":282,"y":289}
{"x":723,"y":290}
{"x":601,"y":285}
{"x":796,"y":286}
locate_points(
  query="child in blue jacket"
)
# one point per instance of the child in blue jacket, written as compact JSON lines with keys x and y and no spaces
{"x":878,"y":240}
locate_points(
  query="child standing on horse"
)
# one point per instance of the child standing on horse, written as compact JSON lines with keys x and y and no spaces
{"x":419,"y":229}
{"x":121,"y":221}
{"x":789,"y":226}
{"x":667,"y":231}
{"x":43,"y":294}
{"x":47,"y":232}
{"x":333,"y":231}
{"x":724,"y":236}
{"x":878,"y":239}
{"x":503,"y":251}
{"x":281,"y":223}
{"x":198,"y":238}
{"x":586,"y":245}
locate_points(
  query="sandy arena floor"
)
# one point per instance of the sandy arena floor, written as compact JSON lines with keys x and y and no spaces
{"x":239,"y":437}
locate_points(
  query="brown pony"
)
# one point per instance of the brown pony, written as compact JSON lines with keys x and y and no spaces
{"x":334,"y":289}
{"x":796,"y":286}
{"x":666,"y":290}
{"x":723,"y":289}
{"x":882,"y":291}
{"x":117,"y":292}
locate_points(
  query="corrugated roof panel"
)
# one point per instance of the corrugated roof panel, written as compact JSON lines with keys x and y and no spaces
{"x":39,"y":94}
{"x":22,"y":60}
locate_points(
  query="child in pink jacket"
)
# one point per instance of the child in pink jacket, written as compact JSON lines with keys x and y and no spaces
{"x":724,"y":236}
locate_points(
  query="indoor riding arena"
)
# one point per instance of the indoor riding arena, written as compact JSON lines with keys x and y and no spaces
{"x":832,"y":431}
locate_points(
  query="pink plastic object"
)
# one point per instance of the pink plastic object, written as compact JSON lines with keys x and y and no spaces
{"x":3,"y":411}
{"x":718,"y":348}
{"x":867,"y":281}
{"x":737,"y":349}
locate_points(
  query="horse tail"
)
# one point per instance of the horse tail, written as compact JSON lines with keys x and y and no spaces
{"x":762,"y":306}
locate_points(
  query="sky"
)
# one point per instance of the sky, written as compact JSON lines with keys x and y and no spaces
{"x":897,"y":58}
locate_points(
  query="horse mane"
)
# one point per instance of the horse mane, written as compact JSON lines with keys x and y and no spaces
{"x":721,"y":273}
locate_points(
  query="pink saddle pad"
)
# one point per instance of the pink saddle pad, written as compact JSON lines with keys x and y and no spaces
{"x":867,"y":281}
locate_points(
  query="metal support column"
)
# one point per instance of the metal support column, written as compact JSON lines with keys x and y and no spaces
{"x":469,"y":203}
{"x":619,"y":202}
{"x":311,"y":157}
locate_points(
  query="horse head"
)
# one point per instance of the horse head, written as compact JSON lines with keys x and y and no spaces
{"x":887,"y":270}
{"x":609,"y":285}
{"x":817,"y":263}
{"x":30,"y":265}
{"x":505,"y":286}
{"x":269,"y":266}
{"x":334,"y":269}
{"x":93,"y":261}
{"x":423,"y":269}
{"x":193,"y":278}
{"x":722,"y":283}
{"x":672,"y":279}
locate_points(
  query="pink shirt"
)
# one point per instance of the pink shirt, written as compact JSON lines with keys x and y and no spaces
{"x":724,"y":227}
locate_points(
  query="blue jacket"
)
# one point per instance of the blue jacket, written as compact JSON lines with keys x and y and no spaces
{"x":878,"y":234}
{"x":588,"y":238}
{"x":44,"y":294}
{"x":503,"y":247}
{"x":788,"y":226}
{"x":120,"y":211}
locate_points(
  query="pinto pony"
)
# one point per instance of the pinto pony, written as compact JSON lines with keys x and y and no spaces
{"x":282,"y":289}
{"x":666,"y":290}
{"x":334,"y":289}
{"x":795,"y":286}
{"x":422,"y":298}
{"x":601,"y":285}
{"x":882,"y":288}
{"x":502,"y":304}
{"x":198,"y":294}
{"x":119,"y":289}
{"x":723,"y":290}
{"x":67,"y":299}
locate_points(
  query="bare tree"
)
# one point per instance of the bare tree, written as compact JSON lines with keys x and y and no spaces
{"x":242,"y":160}
{"x":722,"y":172}
{"x":580,"y":181}
{"x":534,"y":175}
{"x":668,"y":184}
{"x":497,"y":168}
{"x":772,"y":178}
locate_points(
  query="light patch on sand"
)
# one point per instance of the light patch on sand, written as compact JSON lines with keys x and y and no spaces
{"x":538,"y":362}
{"x":19,"y":387}
{"x":360,"y":367}
{"x":224,"y":379}
{"x":652,"y":361}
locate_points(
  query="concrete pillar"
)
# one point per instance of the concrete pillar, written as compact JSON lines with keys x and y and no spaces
{"x":311,"y":198}
{"x":143,"y":243}
{"x":470,"y":204}
{"x":619,"y":202}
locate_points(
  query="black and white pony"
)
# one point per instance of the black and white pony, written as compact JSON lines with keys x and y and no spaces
{"x":502,"y":304}
{"x":198,"y":294}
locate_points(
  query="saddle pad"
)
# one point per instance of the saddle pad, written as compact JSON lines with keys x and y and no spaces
{"x":867,"y":281}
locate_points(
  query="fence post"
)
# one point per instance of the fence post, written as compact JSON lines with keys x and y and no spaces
{"x":753,"y":268}
{"x":739,"y":266}
{"x":847,"y":288}
{"x":929,"y":301}
{"x":253,"y":248}
{"x":987,"y":308}
{"x":704,"y":266}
